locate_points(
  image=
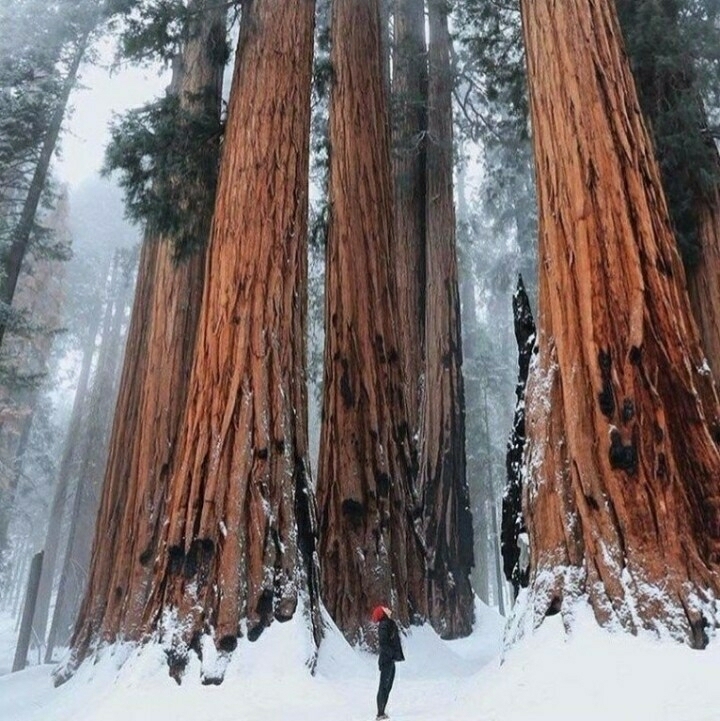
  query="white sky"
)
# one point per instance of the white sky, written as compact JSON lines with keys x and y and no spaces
{"x":86,"y":127}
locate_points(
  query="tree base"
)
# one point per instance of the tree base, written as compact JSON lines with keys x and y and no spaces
{"x":676,"y":609}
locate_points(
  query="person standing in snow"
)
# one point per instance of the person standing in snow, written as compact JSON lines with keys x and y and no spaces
{"x":390,"y":652}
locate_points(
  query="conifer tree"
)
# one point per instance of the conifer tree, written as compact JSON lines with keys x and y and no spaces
{"x":161,"y":335}
{"x":447,"y":520}
{"x":622,"y":466}
{"x":369,"y":550}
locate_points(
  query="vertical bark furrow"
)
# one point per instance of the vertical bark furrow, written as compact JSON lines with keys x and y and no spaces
{"x":445,"y":496}
{"x":131,"y":527}
{"x":409,"y":96}
{"x":244,"y":441}
{"x":368,"y":547}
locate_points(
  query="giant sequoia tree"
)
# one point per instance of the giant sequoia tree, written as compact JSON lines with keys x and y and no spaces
{"x":622,"y":498}
{"x":240,"y":533}
{"x":368,"y":547}
{"x":447,"y":520}
{"x":158,"y":358}
{"x":232,"y":535}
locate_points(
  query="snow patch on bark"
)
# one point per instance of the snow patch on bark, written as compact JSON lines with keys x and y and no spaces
{"x":541,"y":378}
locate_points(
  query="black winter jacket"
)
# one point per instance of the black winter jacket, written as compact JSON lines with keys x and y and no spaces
{"x":390,"y":646}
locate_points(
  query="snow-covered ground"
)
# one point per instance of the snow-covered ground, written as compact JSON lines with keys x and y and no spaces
{"x":590,"y":675}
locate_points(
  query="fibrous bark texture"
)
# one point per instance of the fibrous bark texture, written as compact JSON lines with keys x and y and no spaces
{"x":240,"y":518}
{"x":368,"y":547}
{"x":447,"y":520}
{"x":623,"y":472}
{"x":513,"y":523}
{"x":153,"y":384}
{"x":409,"y":100}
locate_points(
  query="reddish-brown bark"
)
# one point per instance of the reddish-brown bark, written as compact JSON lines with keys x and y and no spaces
{"x":368,"y":547}
{"x":447,"y":520}
{"x":153,"y":385}
{"x":622,"y":494}
{"x":240,"y":519}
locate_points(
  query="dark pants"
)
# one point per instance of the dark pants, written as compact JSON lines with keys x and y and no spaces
{"x":387,"y":676}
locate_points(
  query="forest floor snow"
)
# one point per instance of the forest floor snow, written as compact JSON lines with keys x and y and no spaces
{"x":592,"y":674}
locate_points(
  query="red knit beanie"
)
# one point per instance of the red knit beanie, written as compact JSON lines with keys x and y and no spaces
{"x":378,"y":614}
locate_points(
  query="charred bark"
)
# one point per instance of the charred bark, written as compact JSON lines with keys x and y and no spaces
{"x":622,"y":497}
{"x":369,"y":550}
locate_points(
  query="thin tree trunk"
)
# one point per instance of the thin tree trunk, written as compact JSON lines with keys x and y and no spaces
{"x":23,"y":644}
{"x":473,"y":395}
{"x":480,"y":494}
{"x":622,"y":496}
{"x":499,"y":580}
{"x":369,"y":549}
{"x":7,"y":495}
{"x":10,"y":591}
{"x":447,"y":518}
{"x":13,"y":258}
{"x":409,"y":141}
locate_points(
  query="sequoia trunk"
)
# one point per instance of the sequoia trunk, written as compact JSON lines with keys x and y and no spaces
{"x":153,"y":386}
{"x":704,"y":278}
{"x":447,"y":519}
{"x":368,"y":547}
{"x":240,"y":517}
{"x":409,"y":139}
{"x":622,"y":496}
